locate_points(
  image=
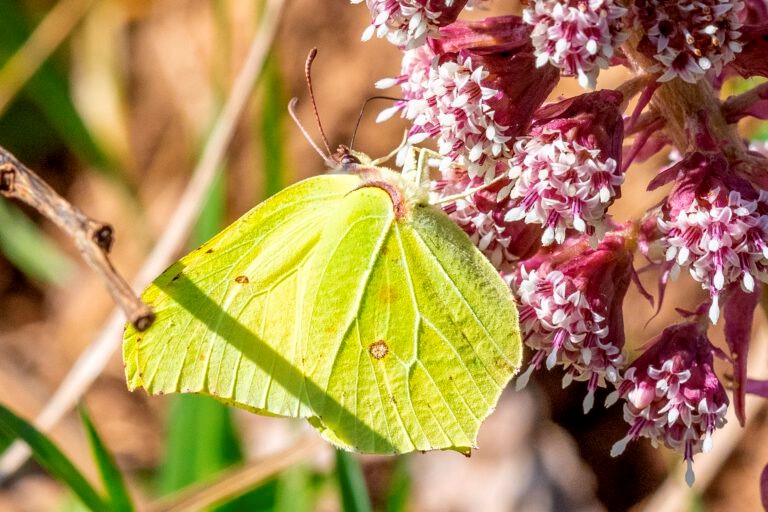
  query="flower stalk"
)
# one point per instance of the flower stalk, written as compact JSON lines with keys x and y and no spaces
{"x":677,"y":101}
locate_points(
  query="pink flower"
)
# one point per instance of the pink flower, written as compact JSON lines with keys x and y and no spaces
{"x":715,"y":224}
{"x":408,"y":23}
{"x":690,"y":38}
{"x":673,"y":396}
{"x":472,"y":94}
{"x":571,"y":309}
{"x":567,"y":172}
{"x":577,"y":36}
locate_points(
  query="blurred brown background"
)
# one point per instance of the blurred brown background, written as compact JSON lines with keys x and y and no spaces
{"x":148,"y":78}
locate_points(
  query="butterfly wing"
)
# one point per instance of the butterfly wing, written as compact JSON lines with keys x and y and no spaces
{"x":390,"y":335}
{"x":419,"y":332}
{"x":229,"y":313}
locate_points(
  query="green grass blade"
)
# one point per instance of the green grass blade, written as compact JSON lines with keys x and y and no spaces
{"x":117,"y":494}
{"x":273,"y":128}
{"x":29,"y":249}
{"x":295,"y":491}
{"x":51,"y":458}
{"x":352,"y":487}
{"x":399,"y":487}
{"x":48,"y":89}
{"x":201,"y":441}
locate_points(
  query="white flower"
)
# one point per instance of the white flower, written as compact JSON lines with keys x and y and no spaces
{"x":577,"y":36}
{"x":561,"y":185}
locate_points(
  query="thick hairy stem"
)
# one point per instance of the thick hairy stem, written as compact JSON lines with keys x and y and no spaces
{"x":676,"y":101}
{"x":93,"y":239}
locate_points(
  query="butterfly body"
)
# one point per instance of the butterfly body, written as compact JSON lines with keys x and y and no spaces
{"x":345,"y":299}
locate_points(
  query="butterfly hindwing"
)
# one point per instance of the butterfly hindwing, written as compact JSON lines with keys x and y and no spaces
{"x":421,"y":360}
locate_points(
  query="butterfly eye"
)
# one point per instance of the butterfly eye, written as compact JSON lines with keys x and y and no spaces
{"x":349,"y":159}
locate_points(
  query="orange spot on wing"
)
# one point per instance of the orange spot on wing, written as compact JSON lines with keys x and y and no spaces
{"x":378,"y":349}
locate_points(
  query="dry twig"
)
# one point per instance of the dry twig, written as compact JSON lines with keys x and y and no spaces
{"x":93,"y":239}
{"x":235,"y":482}
{"x":92,"y":361}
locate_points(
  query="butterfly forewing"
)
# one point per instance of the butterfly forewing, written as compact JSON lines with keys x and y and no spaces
{"x":229,"y":314}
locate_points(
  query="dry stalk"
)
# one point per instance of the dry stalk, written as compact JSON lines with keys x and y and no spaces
{"x":235,"y":482}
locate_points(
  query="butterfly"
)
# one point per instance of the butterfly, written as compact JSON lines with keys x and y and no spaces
{"x":346,"y":299}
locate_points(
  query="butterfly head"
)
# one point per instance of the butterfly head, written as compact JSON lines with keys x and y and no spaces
{"x":348,"y":161}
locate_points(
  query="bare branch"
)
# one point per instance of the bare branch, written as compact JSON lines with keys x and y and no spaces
{"x":93,"y":239}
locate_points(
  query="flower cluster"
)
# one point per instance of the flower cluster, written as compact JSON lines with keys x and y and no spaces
{"x":533,"y":183}
{"x":472,"y":102}
{"x":570,"y":309}
{"x":688,"y":39}
{"x":407,"y":23}
{"x":721,"y":238}
{"x":672,"y":394}
{"x":714,"y":224}
{"x":567,"y":171}
{"x":579,"y":37}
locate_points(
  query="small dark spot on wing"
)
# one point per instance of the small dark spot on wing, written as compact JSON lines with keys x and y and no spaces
{"x":209,"y":251}
{"x":176,"y":277}
{"x":242,"y":279}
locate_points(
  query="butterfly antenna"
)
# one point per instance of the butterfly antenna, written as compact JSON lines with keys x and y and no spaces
{"x":308,"y":76}
{"x":362,"y":111}
{"x":292,"y":111}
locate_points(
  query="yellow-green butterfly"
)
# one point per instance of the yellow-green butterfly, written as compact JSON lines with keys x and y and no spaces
{"x":345,"y":299}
